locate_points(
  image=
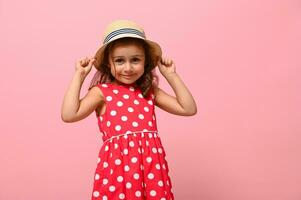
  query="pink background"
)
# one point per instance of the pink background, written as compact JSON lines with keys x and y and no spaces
{"x":239,"y":58}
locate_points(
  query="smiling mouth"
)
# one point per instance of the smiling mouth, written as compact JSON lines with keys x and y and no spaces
{"x":128,"y":76}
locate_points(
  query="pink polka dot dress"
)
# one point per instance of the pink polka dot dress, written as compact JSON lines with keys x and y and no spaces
{"x":131,"y":162}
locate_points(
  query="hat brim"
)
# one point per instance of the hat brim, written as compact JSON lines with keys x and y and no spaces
{"x":155,"y":51}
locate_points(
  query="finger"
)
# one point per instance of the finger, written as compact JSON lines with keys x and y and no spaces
{"x":159,"y":62}
{"x":91,"y":61}
{"x":80,"y":60}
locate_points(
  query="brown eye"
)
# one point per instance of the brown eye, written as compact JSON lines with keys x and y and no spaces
{"x":118,"y":60}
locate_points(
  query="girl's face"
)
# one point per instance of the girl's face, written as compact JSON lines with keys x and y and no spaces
{"x":127,"y":62}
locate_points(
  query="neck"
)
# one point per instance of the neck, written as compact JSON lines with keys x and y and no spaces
{"x":115,"y":82}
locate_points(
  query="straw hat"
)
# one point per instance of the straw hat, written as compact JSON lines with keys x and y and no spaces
{"x":121,"y":29}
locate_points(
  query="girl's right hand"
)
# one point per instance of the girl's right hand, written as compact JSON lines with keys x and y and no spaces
{"x":84,"y":65}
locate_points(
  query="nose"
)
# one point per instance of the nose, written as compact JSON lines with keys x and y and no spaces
{"x":128,"y":67}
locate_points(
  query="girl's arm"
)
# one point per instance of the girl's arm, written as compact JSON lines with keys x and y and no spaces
{"x":183,"y":104}
{"x":74,"y":109}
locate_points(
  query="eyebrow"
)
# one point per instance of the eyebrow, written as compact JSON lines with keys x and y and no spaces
{"x":138,"y":55}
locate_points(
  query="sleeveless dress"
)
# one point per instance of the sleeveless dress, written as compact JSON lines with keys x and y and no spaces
{"x":131,"y":162}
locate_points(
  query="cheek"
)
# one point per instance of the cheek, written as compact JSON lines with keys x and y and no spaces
{"x":141,"y":71}
{"x":113,"y":70}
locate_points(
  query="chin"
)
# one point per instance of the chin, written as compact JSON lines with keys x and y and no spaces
{"x":126,"y":81}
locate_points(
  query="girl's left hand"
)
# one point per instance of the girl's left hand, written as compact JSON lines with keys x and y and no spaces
{"x":166,"y":66}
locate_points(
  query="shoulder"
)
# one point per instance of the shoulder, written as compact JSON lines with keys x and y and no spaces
{"x":156,"y":90}
{"x":97,"y":91}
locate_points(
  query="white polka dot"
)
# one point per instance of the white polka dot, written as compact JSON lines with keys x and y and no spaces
{"x":150,"y":176}
{"x":134,"y":160}
{"x":121,"y":196}
{"x":119,"y":178}
{"x":126,"y":168}
{"x":150,"y":123}
{"x":136,"y":176}
{"x":112,"y":188}
{"x":146,"y":109}
{"x":98,"y":160}
{"x":108,"y":123}
{"x":135,"y":124}
{"x":124,"y":118}
{"x":160,"y":183}
{"x":125,"y":136}
{"x":131,"y":144}
{"x":136,"y":102}
{"x":119,"y":103}
{"x":148,"y":159}
{"x":104,"y":85}
{"x":147,"y":143}
{"x":105,"y":198}
{"x":153,"y":193}
{"x":154,"y":117}
{"x":130,"y":109}
{"x":158,"y":166}
{"x":140,"y":143}
{"x":150,"y":102}
{"x":105,"y":181}
{"x":128,"y":185}
{"x":115,"y":91}
{"x":118,"y":128}
{"x":97,"y":176}
{"x":141,"y":116}
{"x":113,"y":112}
{"x":96,"y":194}
{"x":140,"y":95}
{"x":160,"y":150}
{"x":167,"y":183}
{"x":106,"y":148}
{"x":139,"y":150}
{"x":101,"y":118}
{"x":150,"y":135}
{"x":115,"y":145}
{"x":125,"y":151}
{"x":109,"y":98}
{"x":132,"y":89}
{"x":154,"y":150}
{"x":163,"y":166}
{"x":117,"y":161}
{"x":138,"y":193}
{"x":125,"y":96}
{"x":111,"y":171}
{"x":105,"y":164}
{"x":163,"y":198}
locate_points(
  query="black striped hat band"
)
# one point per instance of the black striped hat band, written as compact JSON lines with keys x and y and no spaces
{"x":123,"y":31}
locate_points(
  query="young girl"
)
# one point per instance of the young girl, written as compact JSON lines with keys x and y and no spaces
{"x":131,"y":162}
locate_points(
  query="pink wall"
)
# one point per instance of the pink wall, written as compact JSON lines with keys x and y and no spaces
{"x":239,"y":58}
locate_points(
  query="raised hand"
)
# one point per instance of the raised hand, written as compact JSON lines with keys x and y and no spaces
{"x":166,"y":66}
{"x":84,"y":65}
